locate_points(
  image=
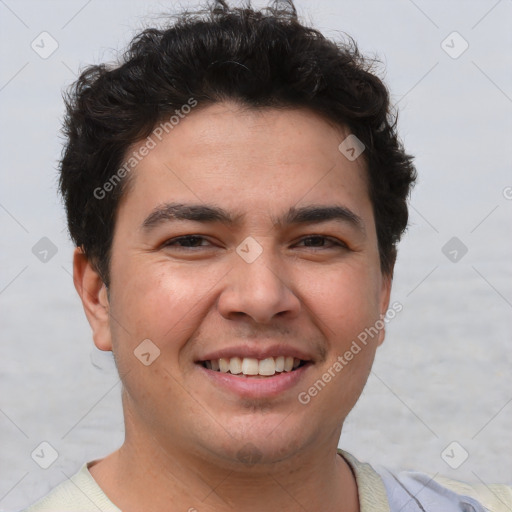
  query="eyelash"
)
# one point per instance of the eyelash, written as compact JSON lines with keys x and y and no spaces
{"x":333,"y":241}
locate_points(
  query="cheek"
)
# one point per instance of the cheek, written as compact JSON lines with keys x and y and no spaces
{"x":353,"y":303}
{"x":159,"y":303}
{"x":160,"y":306}
{"x":346,"y":300}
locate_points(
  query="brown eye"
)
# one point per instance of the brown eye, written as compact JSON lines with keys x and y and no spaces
{"x":322,"y":242}
{"x":185,"y":242}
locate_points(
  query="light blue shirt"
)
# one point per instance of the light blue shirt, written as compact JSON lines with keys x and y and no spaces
{"x":416,"y":492}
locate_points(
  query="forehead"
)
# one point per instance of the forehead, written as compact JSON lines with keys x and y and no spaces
{"x":246,"y":158}
{"x":262,"y":136}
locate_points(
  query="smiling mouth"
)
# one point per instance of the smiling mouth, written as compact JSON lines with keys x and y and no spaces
{"x":251,"y":367}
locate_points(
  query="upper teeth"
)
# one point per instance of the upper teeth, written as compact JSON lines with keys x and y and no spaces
{"x":252,"y":366}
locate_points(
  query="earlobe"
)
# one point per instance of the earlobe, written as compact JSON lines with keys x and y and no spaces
{"x":93,"y":293}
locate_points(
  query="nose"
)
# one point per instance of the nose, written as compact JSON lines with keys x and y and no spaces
{"x":259,"y":290}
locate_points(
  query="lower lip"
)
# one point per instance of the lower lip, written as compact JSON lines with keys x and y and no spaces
{"x":256,"y":387}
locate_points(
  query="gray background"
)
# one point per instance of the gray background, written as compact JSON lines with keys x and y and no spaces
{"x":443,"y":373}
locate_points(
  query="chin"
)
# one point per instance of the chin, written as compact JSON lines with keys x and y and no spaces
{"x":260,"y":445}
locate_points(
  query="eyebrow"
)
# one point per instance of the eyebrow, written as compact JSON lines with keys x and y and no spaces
{"x":311,"y":214}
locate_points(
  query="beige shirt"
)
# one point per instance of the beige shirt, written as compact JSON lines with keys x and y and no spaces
{"x":81,"y":492}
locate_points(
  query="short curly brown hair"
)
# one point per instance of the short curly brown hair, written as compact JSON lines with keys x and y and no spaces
{"x":259,"y":58}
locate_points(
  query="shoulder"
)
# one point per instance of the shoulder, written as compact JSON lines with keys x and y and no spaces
{"x":495,"y":497}
{"x":411,"y":491}
{"x":80,"y":493}
{"x":421,"y":491}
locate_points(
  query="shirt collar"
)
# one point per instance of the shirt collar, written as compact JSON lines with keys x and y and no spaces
{"x":370,"y":487}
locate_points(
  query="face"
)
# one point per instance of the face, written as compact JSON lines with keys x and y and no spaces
{"x":247,"y":241}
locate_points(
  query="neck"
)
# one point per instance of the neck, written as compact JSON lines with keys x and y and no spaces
{"x":145,"y":475}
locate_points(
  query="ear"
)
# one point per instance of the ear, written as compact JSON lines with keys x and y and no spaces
{"x":385,"y":294}
{"x":93,"y":294}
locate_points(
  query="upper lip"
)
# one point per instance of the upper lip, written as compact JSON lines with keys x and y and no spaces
{"x":256,"y":352}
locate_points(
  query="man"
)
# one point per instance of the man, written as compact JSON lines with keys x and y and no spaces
{"x":236,"y":189}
